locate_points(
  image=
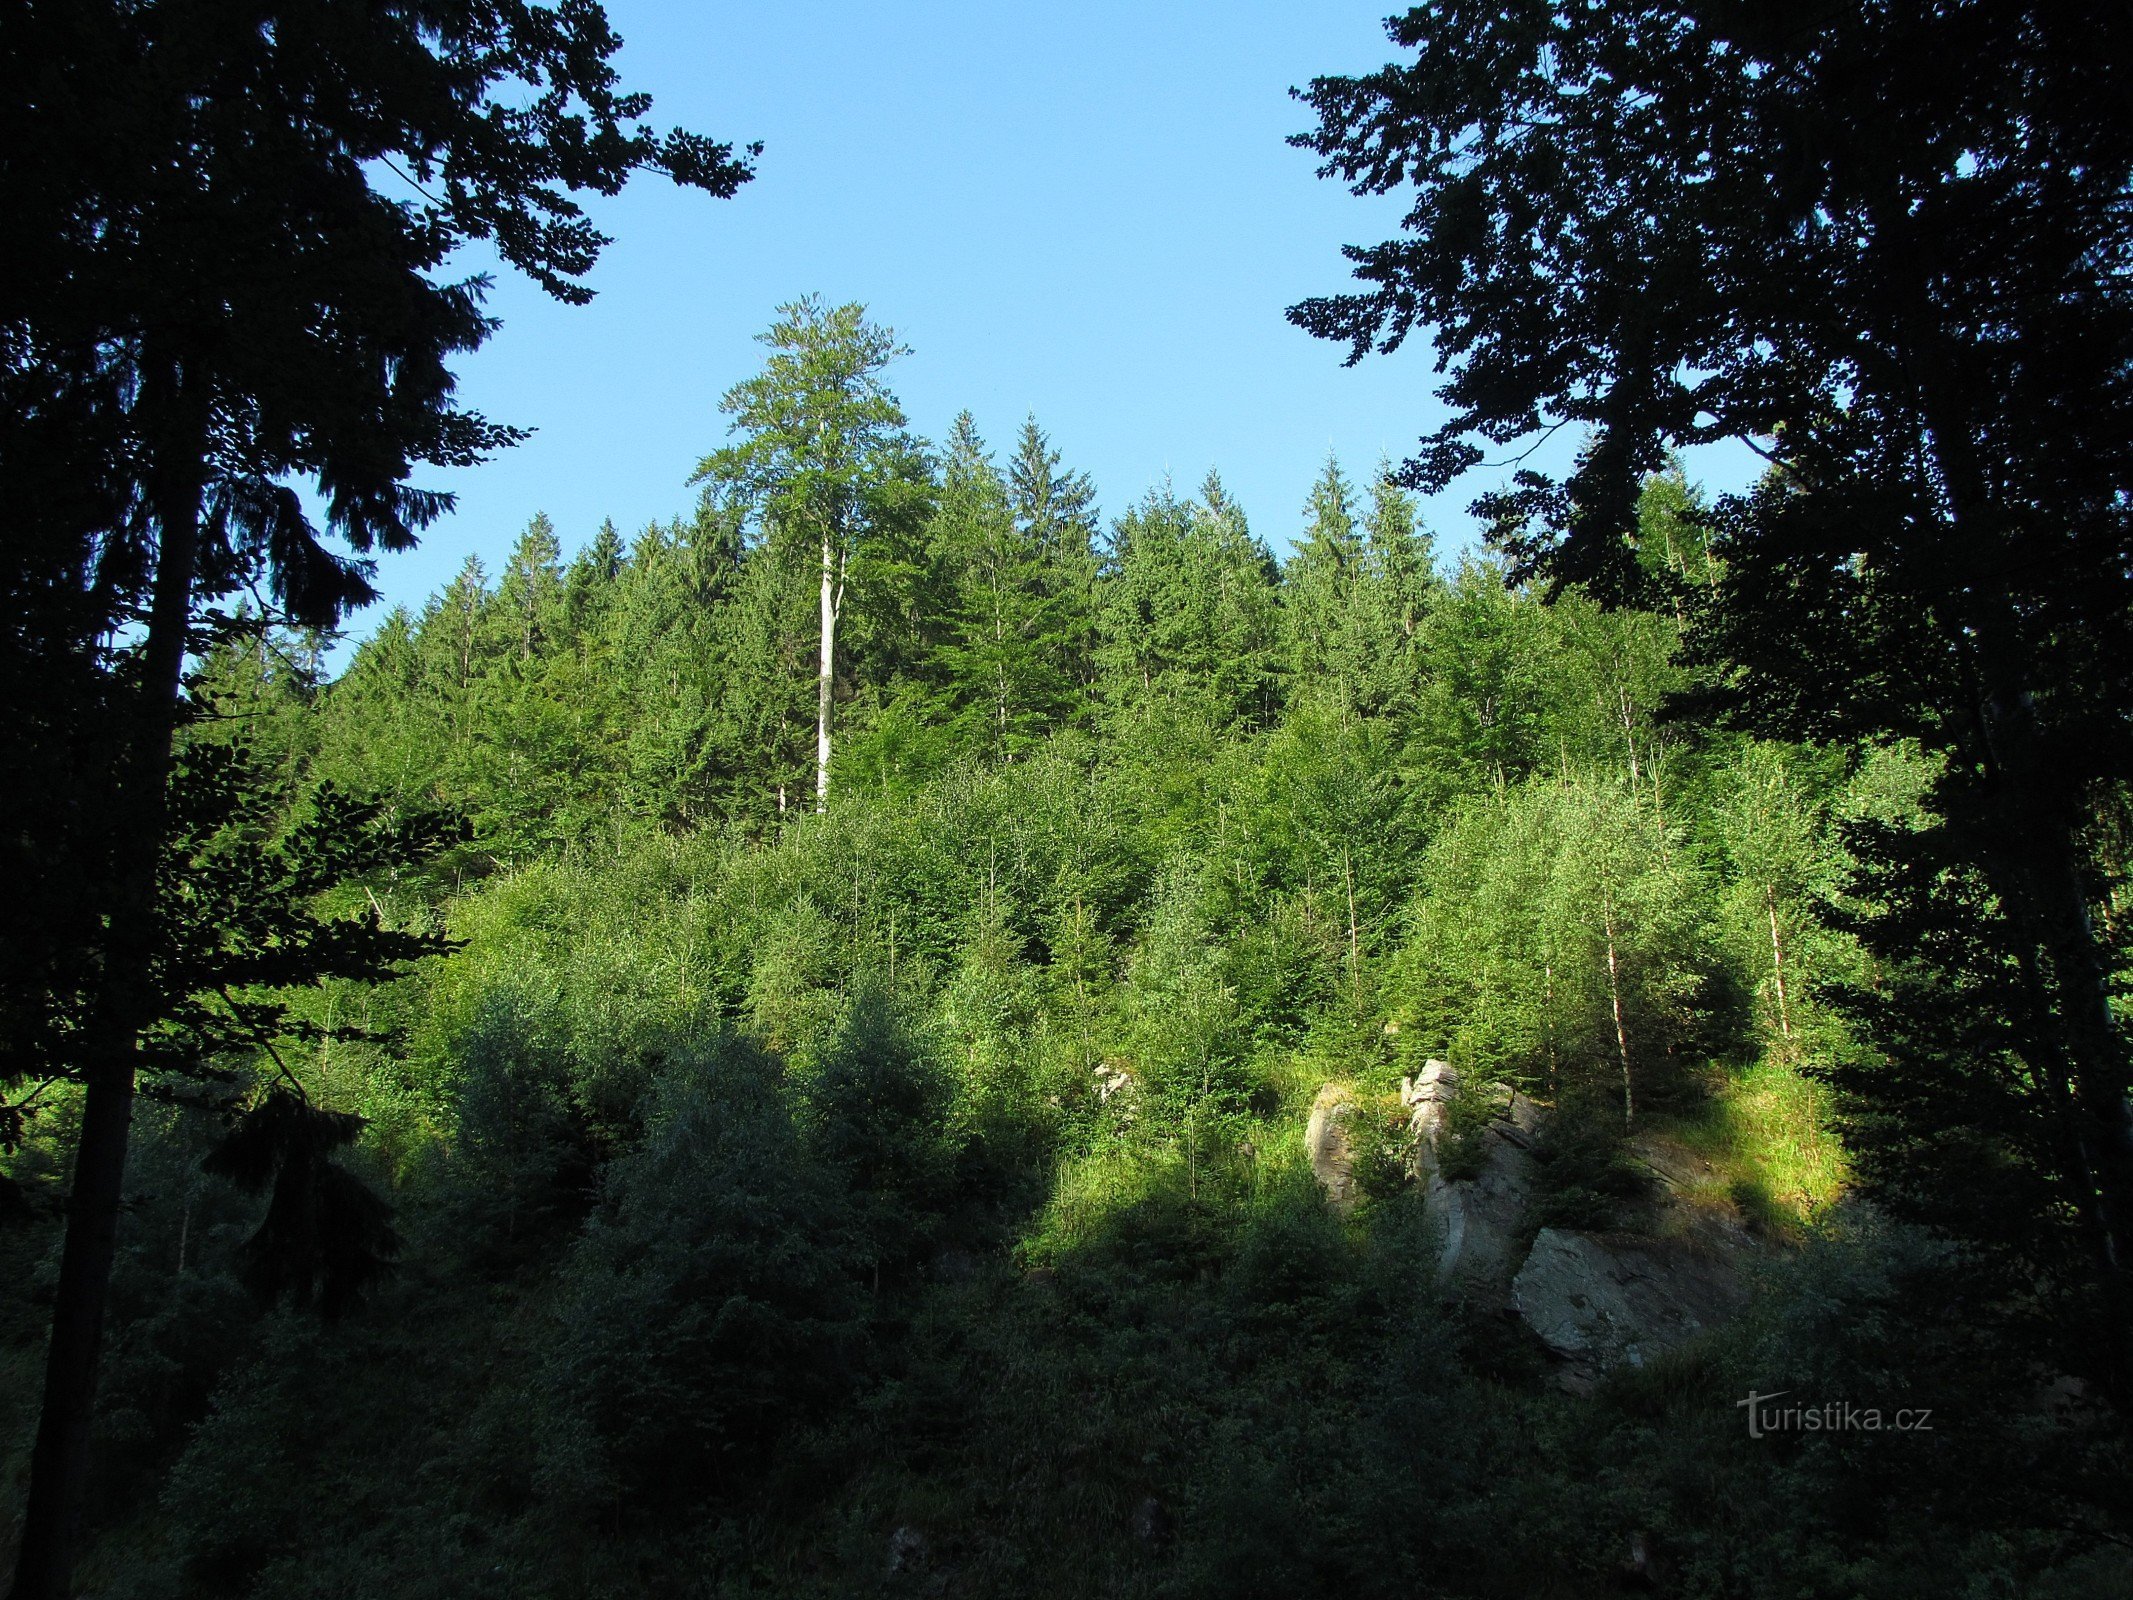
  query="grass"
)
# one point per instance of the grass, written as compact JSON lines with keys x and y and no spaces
{"x":1766,"y":1133}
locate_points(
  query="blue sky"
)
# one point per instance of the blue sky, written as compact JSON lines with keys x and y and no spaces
{"x":1085,"y":213}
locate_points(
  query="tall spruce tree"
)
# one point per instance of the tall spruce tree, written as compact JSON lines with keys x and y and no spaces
{"x":1401,"y":560}
{"x":1320,"y":587}
{"x":1010,"y":634}
{"x":1056,"y":510}
{"x":1189,"y":615}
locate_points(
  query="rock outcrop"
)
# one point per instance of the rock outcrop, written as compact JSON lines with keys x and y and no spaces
{"x":1605,"y":1300}
{"x":1330,"y":1144}
{"x":1479,"y":1219}
{"x":1428,"y":1097}
{"x":1597,"y":1300}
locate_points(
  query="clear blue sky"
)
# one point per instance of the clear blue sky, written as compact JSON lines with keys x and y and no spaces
{"x":1087,"y":212}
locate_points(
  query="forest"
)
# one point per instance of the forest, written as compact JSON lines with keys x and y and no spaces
{"x":927,"y":1026}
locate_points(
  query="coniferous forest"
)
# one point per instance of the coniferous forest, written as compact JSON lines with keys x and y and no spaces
{"x":930,"y":1026}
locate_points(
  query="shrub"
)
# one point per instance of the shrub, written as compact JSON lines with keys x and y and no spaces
{"x":710,"y":1302}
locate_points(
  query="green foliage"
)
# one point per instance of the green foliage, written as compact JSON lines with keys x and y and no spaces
{"x":1189,"y":618}
{"x":875,"y":1112}
{"x":1014,"y":629}
{"x":1355,"y":593}
{"x":521,"y":1167}
{"x":325,"y":1234}
{"x":709,"y":1304}
{"x":1586,"y":1179}
{"x":1674,"y":223}
{"x":887,"y":1174}
{"x":769,"y":1182}
{"x":1563,"y":931}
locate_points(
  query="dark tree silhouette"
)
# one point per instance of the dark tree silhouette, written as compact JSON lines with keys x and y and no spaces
{"x":227,"y":225}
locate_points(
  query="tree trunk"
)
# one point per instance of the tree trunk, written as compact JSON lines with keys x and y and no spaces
{"x":831,"y":596}
{"x":1614,"y":995}
{"x":59,"y":1462}
{"x":2036,"y":868}
{"x":1777,"y":964}
{"x":2033,"y":861}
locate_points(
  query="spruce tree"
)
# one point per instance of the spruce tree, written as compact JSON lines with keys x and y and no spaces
{"x":1320,"y":587}
{"x":1190,"y":619}
{"x":1056,"y":510}
{"x":1008,"y":649}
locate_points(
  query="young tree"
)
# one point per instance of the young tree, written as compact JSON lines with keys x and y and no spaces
{"x":208,"y":295}
{"x":1056,"y":511}
{"x":1320,"y":588}
{"x":1887,"y":247}
{"x":1011,"y":628}
{"x":824,"y":455}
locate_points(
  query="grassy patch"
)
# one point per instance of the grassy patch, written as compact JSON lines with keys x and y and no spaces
{"x":1766,"y":1133}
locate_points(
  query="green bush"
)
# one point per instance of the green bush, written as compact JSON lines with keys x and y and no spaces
{"x":710,"y":1303}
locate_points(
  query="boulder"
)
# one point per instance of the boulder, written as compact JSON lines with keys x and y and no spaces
{"x":1607,"y":1300}
{"x":907,"y":1550}
{"x":1153,"y":1524}
{"x":1329,"y":1142}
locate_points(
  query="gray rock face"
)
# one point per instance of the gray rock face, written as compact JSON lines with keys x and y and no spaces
{"x":1597,"y":1300}
{"x":1478,"y":1218}
{"x":1428,"y":1097}
{"x":1604,"y":1300}
{"x":1329,"y":1142}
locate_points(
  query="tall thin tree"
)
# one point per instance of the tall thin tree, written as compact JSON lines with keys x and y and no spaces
{"x":823,"y":453}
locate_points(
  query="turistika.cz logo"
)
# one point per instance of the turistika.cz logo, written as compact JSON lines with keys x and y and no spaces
{"x":1831,"y":1416}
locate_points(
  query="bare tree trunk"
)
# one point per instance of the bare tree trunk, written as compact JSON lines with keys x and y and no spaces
{"x":832,"y":595}
{"x":1614,"y":994}
{"x":1626,"y":713}
{"x":59,"y":1462}
{"x":1777,"y":964}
